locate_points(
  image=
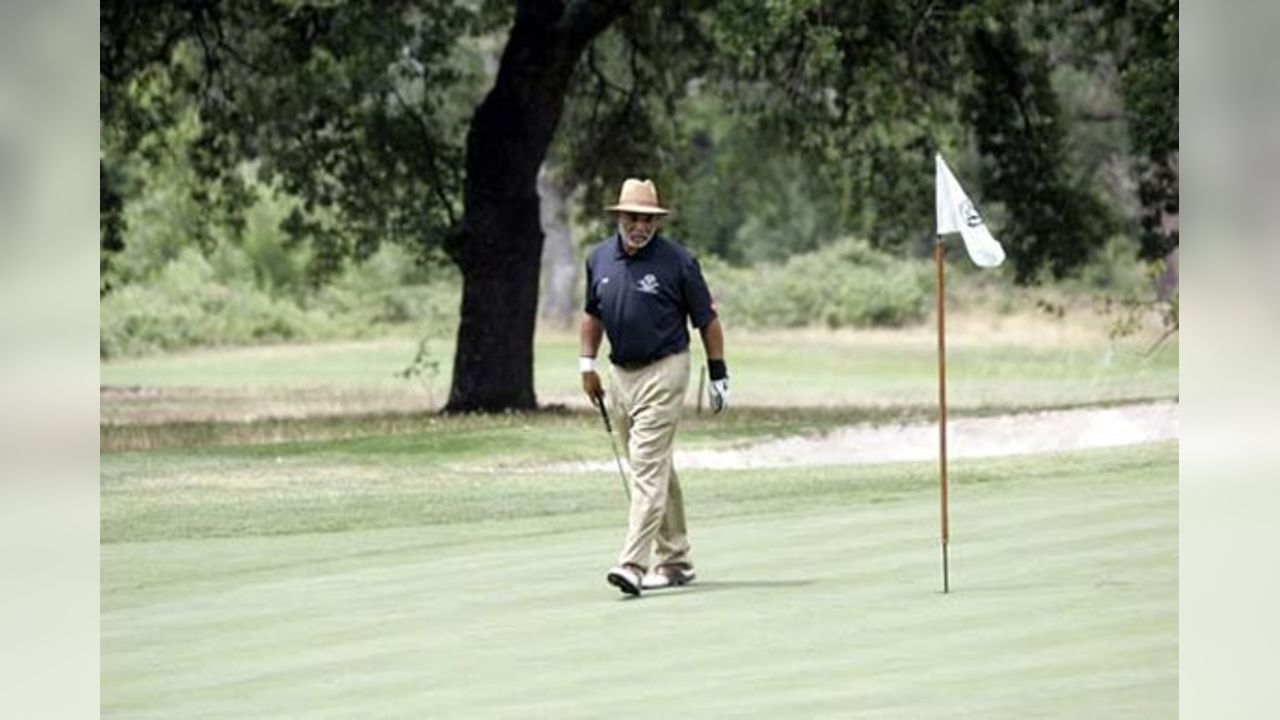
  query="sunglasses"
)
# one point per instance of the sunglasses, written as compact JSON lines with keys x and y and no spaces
{"x":631,"y":218}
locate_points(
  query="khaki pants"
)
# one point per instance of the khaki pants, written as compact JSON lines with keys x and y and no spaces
{"x":646,"y":405}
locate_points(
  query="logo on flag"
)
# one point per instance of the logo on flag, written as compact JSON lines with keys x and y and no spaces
{"x":957,"y":214}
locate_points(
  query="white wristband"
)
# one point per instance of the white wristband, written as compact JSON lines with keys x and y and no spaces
{"x":586,"y":364}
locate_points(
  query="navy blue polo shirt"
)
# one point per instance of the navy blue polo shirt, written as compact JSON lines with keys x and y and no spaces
{"x":643,"y":299}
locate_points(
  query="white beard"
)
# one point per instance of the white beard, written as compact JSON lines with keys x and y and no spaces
{"x":633,"y":244}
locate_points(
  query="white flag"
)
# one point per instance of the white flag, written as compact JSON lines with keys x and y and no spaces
{"x":956,"y":213}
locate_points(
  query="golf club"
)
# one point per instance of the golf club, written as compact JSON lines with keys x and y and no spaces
{"x":608,"y":428}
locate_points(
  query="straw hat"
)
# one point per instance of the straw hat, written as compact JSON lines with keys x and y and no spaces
{"x":638,"y":196}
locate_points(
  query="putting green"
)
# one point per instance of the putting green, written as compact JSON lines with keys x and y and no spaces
{"x":1064,"y":604}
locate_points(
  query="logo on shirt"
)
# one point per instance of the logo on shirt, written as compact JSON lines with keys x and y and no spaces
{"x":648,"y":284}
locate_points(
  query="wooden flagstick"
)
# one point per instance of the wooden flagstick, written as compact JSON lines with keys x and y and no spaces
{"x":942,"y":406}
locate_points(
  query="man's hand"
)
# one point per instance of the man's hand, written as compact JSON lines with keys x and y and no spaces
{"x":718,"y":390}
{"x":718,"y":394}
{"x":591,"y":386}
{"x":590,"y":379}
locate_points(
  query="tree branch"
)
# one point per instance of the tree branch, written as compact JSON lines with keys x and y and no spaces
{"x":430,"y":147}
{"x":584,"y":19}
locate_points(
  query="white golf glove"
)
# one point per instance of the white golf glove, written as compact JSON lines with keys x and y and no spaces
{"x":718,"y":394}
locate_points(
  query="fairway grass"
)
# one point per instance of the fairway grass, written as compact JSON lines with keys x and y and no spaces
{"x":230,"y":591}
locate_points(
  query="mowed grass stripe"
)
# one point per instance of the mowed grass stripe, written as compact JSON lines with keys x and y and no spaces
{"x":181,"y":562}
{"x":1049,"y":619}
{"x":880,"y":617}
{"x":252,"y":497}
{"x":837,"y":612}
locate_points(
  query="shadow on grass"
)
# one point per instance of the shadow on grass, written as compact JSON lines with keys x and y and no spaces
{"x":718,"y":585}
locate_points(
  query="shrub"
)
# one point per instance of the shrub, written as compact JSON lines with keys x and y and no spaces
{"x":187,"y":305}
{"x":387,"y":289}
{"x":198,"y":302}
{"x":847,"y":284}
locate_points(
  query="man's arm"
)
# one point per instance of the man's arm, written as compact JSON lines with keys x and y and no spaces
{"x":589,"y":335}
{"x":713,"y":340}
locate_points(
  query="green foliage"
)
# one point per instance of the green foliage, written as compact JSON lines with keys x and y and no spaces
{"x":170,"y":207}
{"x":290,"y":141}
{"x":819,"y":120}
{"x":1150,"y":85}
{"x":389,"y":289}
{"x":1115,"y":268}
{"x":1133,"y":309}
{"x":847,"y":284}
{"x":741,"y":195}
{"x":278,"y":266}
{"x":190,"y":275}
{"x":193,"y":302}
{"x":1053,"y":221}
{"x":779,"y":126}
{"x":359,"y":111}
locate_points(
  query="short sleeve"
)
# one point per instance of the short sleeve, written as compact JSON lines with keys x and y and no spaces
{"x":592,"y":300}
{"x":697,"y":297}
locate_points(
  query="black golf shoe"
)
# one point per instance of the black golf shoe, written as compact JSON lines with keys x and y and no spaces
{"x":626,"y":578}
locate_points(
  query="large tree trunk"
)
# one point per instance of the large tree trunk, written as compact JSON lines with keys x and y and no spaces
{"x":501,"y":238}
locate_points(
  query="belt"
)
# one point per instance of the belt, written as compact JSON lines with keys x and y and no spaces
{"x":637,"y":364}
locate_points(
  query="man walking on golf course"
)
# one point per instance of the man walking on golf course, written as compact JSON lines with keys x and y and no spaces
{"x":642,"y":290}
